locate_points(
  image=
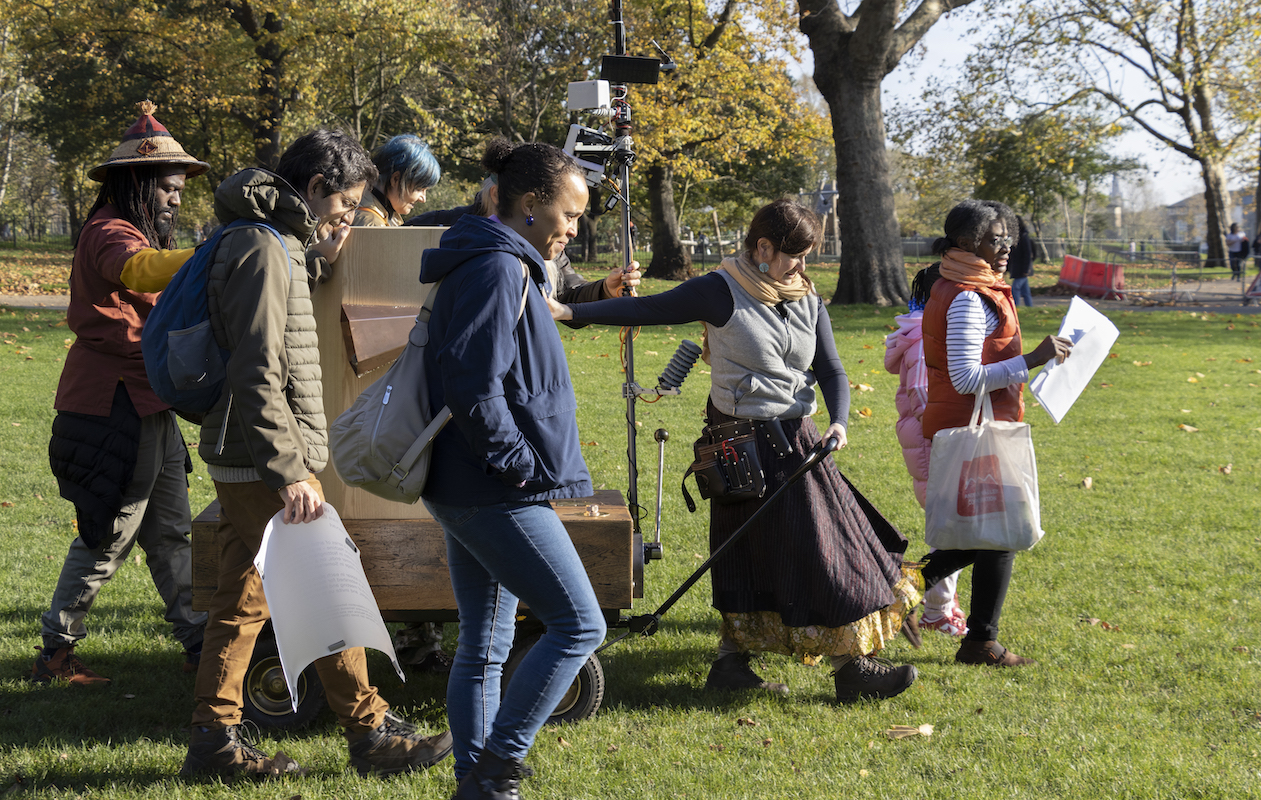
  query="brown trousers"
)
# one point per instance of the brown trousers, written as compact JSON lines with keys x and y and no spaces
{"x":238,"y":612}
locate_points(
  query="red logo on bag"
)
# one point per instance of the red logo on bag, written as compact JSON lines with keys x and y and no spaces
{"x":980,"y":487}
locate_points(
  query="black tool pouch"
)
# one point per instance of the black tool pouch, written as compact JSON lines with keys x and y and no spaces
{"x":726,"y":467}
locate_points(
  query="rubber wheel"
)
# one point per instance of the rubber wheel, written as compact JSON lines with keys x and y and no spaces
{"x":585,"y":694}
{"x":266,"y":696}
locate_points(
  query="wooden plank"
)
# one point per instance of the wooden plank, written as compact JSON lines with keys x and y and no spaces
{"x":375,"y":335}
{"x":376,"y":267}
{"x":405,"y":561}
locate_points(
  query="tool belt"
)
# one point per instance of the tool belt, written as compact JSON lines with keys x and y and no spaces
{"x":727,"y":467}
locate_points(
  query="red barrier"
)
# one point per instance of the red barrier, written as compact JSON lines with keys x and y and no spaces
{"x":1093,"y":278}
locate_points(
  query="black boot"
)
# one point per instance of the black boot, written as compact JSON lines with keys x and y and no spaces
{"x":492,"y":778}
{"x":732,"y":671}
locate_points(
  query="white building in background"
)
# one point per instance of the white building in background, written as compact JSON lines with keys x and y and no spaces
{"x":1187,"y":220}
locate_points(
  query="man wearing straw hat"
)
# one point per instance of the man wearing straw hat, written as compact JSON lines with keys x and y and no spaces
{"x":116,"y":449}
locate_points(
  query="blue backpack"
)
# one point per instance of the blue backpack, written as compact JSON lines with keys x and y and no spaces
{"x":186,"y":366}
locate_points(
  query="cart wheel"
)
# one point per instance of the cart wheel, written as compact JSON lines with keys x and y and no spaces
{"x":583,"y":698}
{"x":266,"y":696}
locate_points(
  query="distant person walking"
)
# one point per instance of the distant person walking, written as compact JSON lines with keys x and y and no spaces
{"x":1020,"y":265}
{"x":116,"y":449}
{"x":1237,"y":244}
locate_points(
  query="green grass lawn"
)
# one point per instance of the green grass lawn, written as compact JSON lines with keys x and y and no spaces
{"x":1140,"y":605}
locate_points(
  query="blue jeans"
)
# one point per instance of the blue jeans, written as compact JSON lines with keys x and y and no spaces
{"x":1019,"y":289}
{"x":497,"y":555}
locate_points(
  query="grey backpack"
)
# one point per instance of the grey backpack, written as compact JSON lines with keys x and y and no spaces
{"x":381,"y":443}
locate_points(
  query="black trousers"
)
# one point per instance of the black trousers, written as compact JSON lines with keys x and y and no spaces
{"x":991,"y":575}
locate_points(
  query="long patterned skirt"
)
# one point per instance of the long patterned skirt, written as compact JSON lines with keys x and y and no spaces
{"x":821,"y":574}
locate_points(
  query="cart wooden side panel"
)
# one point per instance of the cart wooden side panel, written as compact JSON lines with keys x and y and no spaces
{"x":405,"y":560}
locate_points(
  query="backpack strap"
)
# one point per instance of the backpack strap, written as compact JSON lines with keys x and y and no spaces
{"x":405,"y":464}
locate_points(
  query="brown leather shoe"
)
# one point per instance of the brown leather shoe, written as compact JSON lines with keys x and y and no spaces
{"x":910,"y":629}
{"x":64,"y":665}
{"x":990,"y":654}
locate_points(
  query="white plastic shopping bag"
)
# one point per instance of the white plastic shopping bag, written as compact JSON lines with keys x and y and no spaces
{"x":983,"y":485}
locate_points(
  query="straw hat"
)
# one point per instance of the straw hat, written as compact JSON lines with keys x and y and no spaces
{"x":148,"y":142}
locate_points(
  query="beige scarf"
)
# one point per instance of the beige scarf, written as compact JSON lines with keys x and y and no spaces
{"x":960,"y":266}
{"x":760,"y":287}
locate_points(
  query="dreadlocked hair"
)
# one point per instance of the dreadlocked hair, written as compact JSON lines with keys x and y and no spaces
{"x":133,"y":192}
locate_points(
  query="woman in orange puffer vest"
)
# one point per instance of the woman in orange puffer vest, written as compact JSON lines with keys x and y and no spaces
{"x":972,"y":344}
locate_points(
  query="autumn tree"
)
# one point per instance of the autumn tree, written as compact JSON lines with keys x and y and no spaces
{"x":1178,"y":53}
{"x":730,"y":106}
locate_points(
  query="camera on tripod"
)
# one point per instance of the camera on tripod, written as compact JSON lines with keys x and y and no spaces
{"x":589,"y":147}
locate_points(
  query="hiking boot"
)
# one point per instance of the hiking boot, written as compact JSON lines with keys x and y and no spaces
{"x":990,"y":654}
{"x":63,"y":665}
{"x":226,"y":752}
{"x":732,"y":671}
{"x":394,"y":746}
{"x":865,"y":677}
{"x":493,"y":778}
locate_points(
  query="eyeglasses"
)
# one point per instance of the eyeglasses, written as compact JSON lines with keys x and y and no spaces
{"x":1000,"y":242}
{"x":350,"y":205}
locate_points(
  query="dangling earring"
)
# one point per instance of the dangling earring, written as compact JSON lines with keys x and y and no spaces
{"x":764,"y":268}
{"x":529,"y":220}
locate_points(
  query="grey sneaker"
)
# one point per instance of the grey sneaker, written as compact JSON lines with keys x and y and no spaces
{"x":872,"y":678}
{"x":732,"y":671}
{"x":225,"y":752}
{"x":394,"y":746}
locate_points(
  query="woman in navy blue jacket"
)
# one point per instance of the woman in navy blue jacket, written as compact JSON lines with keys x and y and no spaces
{"x":512,"y":446}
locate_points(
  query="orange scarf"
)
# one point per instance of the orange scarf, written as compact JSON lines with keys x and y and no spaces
{"x":961,"y":266}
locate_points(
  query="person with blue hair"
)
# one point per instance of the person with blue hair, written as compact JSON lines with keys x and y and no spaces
{"x":406,"y":170}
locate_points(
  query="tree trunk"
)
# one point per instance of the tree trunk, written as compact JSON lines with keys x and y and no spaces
{"x":851,"y":58}
{"x":670,"y":260}
{"x":872,"y":268}
{"x":1215,"y":211}
{"x":1256,"y":204}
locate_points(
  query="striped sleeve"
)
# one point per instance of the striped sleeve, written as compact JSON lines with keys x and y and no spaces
{"x":968,"y":321}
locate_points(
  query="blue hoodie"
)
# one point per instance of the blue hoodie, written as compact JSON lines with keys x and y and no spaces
{"x":506,"y":381}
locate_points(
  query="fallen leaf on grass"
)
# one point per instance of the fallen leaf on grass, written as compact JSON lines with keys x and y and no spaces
{"x":1112,"y":355}
{"x":1225,"y":470}
{"x":6,"y":504}
{"x":907,"y":731}
{"x":1200,"y":375}
{"x":767,"y":742}
{"x":1087,"y":482}
{"x":864,"y":412}
{"x":1193,"y":379}
{"x":612,"y":749}
{"x":1142,"y":363}
{"x":862,"y":773}
{"x":560,"y":740}
{"x":717,"y":748}
{"x":1185,"y":410}
{"x":1188,"y":428}
{"x":1241,"y":649}
{"x":129,"y":697}
{"x":746,"y":721}
{"x":862,"y":387}
{"x":16,"y":424}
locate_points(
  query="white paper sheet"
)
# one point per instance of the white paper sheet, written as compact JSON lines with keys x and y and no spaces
{"x":319,"y":598}
{"x":1058,"y":386}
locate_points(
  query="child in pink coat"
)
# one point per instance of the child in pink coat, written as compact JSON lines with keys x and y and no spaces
{"x":904,"y":357}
